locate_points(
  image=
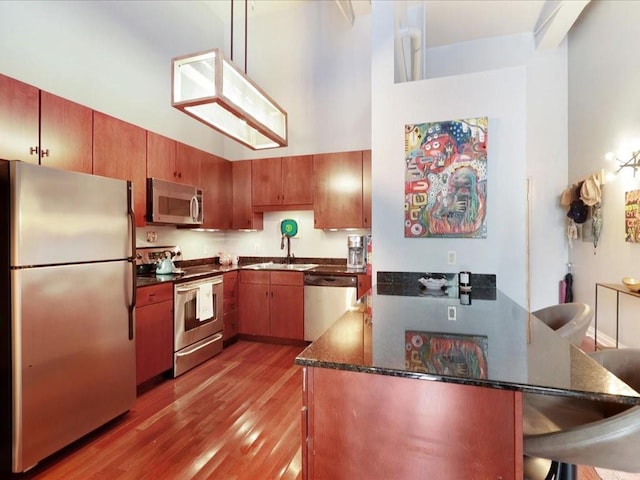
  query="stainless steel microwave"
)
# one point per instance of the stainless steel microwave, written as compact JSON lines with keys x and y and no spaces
{"x":173,"y":203}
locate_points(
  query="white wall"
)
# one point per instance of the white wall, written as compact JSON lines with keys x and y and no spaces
{"x":504,"y":96}
{"x":308,"y":243}
{"x":101,"y":55}
{"x":115,"y":57}
{"x":604,"y":101}
{"x":318,"y":68}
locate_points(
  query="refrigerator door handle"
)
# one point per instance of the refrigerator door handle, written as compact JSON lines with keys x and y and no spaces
{"x":132,"y":260}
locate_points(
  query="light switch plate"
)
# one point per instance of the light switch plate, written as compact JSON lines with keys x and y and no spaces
{"x":451,"y":257}
{"x":451,"y":314}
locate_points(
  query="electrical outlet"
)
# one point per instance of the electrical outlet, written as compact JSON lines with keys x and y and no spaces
{"x":451,"y":314}
{"x":451,"y":257}
{"x":256,"y":248}
{"x":152,"y":237}
{"x":207,"y":250}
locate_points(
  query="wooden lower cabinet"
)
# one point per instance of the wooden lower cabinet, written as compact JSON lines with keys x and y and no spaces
{"x":154,"y":331}
{"x":272,"y":304}
{"x":230,"y":305}
{"x":287,"y":311}
{"x":364,"y":284}
{"x":359,"y":425}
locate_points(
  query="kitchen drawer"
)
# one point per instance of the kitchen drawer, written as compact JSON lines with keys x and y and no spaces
{"x":231,"y":326}
{"x":248,"y":276}
{"x":287,"y":278}
{"x":230,"y":285}
{"x":229,"y":304}
{"x":154,"y":294}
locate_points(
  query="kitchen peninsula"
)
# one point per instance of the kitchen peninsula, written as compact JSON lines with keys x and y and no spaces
{"x":397,"y":388}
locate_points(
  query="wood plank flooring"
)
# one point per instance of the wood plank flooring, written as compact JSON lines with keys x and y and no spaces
{"x":235,"y":417}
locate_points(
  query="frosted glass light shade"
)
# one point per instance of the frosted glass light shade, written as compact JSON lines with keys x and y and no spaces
{"x":210,"y":88}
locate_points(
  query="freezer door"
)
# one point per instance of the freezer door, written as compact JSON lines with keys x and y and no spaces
{"x":74,"y":364}
{"x":60,"y":217}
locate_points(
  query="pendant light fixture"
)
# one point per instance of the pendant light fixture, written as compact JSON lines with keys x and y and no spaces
{"x":210,"y":88}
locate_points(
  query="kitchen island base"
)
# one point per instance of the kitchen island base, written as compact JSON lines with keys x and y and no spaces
{"x":359,"y":425}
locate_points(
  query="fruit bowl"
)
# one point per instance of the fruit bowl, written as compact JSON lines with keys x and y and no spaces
{"x":632,"y":284}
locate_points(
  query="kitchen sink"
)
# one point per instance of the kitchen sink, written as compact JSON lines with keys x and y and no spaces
{"x":298,"y":267}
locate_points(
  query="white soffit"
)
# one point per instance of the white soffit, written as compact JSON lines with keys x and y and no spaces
{"x":556,"y":20}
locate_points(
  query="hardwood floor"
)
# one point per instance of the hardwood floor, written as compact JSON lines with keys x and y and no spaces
{"x":235,"y":417}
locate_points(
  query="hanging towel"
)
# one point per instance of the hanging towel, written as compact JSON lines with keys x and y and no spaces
{"x":204,"y":303}
{"x":563,"y":291}
{"x":568,"y":297}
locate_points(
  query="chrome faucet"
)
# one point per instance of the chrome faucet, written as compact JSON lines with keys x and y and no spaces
{"x":289,"y":258}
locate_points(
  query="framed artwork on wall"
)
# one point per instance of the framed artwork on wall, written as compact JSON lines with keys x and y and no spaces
{"x":632,"y":216}
{"x":446,"y":179}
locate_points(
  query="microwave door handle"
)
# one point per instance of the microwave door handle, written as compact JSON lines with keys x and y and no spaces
{"x":194,"y":209}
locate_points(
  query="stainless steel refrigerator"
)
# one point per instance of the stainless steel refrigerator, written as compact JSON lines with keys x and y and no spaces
{"x":67,"y":297}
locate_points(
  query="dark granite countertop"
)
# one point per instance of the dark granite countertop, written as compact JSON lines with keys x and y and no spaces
{"x":207,"y":267}
{"x":492,"y":343}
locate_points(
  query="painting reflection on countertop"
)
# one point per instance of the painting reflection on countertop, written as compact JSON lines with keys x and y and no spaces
{"x":446,"y":354}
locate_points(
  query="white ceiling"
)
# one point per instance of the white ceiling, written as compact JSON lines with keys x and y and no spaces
{"x":447,"y":21}
{"x":455,"y":21}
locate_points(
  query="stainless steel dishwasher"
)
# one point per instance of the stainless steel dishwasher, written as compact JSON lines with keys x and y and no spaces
{"x":326,"y":297}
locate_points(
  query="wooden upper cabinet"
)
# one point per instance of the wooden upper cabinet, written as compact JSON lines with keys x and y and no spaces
{"x":19,"y":123}
{"x":366,"y":188}
{"x":338,"y":190}
{"x":266,"y":181}
{"x":173,"y":161}
{"x":285,"y":181}
{"x":216,"y":190}
{"x":161,"y":157}
{"x":297,"y":180}
{"x":39,"y":127}
{"x":188,"y":164}
{"x":242,"y":214}
{"x":120,"y":151}
{"x":66,"y":134}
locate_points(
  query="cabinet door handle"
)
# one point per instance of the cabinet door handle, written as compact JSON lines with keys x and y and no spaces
{"x":44,"y":153}
{"x":33,"y":151}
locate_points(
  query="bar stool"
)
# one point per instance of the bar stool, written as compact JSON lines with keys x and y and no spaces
{"x":584,"y":432}
{"x":569,"y":320}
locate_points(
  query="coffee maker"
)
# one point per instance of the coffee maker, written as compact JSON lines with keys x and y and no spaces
{"x":357,"y":252}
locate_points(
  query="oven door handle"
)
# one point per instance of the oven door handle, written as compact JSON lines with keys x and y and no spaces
{"x":184,"y":353}
{"x":213,"y":282}
{"x":186,"y":290}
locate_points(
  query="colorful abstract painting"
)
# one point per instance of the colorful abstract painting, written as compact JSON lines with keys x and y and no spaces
{"x":446,"y":354}
{"x":632,"y":216}
{"x":446,"y":179}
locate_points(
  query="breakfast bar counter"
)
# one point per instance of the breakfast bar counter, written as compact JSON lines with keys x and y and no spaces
{"x":413,"y":384}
